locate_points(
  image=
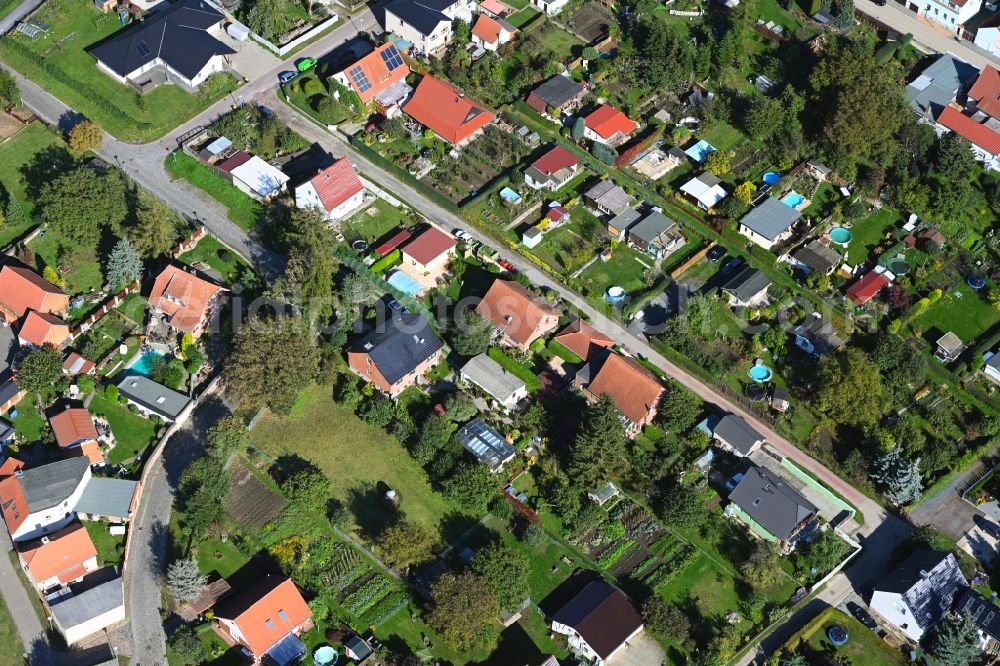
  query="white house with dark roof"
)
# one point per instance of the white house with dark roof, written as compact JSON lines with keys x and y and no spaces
{"x":771,"y":508}
{"x":426,"y":23}
{"x":769,"y":223}
{"x":950,"y":14}
{"x":747,"y":288}
{"x":598,"y":622}
{"x":917,"y":594}
{"x":734,"y":434}
{"x":504,"y":387}
{"x":992,"y":367}
{"x":78,"y":616}
{"x":397,"y":354}
{"x":656,"y":235}
{"x":817,"y":336}
{"x":179,"y":42}
{"x":152,"y":398}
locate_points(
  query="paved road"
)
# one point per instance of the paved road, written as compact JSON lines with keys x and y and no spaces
{"x":8,"y":22}
{"x":16,"y":598}
{"x":929,"y":37}
{"x":147,"y":552}
{"x":946,"y":510}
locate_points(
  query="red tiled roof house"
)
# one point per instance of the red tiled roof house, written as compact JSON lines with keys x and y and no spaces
{"x":184,"y":301}
{"x":552,"y":170}
{"x":867,"y":288}
{"x":336,"y":190}
{"x":446,"y":111}
{"x":584,"y":340}
{"x":267,"y":618}
{"x":985,"y":92}
{"x":520,"y":316}
{"x":608,"y":125}
{"x":984,"y":139}
{"x":41,"y":329}
{"x":22,"y":290}
{"x":76,"y":434}
{"x":491,"y":33}
{"x":633,"y":389}
{"x":62,"y":558}
{"x":429,"y":252}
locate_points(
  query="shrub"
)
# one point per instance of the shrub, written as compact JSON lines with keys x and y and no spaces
{"x":86,"y":384}
{"x":386,"y":262}
{"x":85,"y":136}
{"x":111,"y":393}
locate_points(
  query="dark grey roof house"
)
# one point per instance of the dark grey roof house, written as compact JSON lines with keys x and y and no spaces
{"x":599,"y":621}
{"x":748,"y":287}
{"x":656,"y":235}
{"x":486,"y":444}
{"x":986,"y":615}
{"x":816,"y":257}
{"x":769,"y":223}
{"x":153,"y":398}
{"x":939,"y":84}
{"x":608,"y":198}
{"x":735,"y":434}
{"x":80,"y":615}
{"x":395,"y":350}
{"x":178,"y":42}
{"x":424,"y":15}
{"x":817,"y":336}
{"x":772,"y":504}
{"x":918,"y":592}
{"x":560,"y":92}
{"x":107,"y":498}
{"x":49,"y":485}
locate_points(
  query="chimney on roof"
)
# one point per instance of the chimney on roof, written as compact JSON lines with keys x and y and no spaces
{"x":45,"y":539}
{"x":18,"y":472}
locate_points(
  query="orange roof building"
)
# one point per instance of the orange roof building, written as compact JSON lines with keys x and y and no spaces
{"x":446,"y":111}
{"x":75,"y":431}
{"x":492,"y":33}
{"x":986,"y":91}
{"x":40,"y":328}
{"x":430,"y":249}
{"x":22,"y":289}
{"x":60,"y":559}
{"x":77,"y":364}
{"x":375,"y":72}
{"x":10,"y":467}
{"x":336,"y":189}
{"x":584,"y":340}
{"x":608,"y":125}
{"x":633,"y":389}
{"x":270,"y":613}
{"x":521,"y":316}
{"x":185,"y":301}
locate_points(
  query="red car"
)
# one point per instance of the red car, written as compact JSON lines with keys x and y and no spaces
{"x":506,"y":265}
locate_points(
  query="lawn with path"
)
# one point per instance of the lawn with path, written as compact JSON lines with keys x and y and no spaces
{"x":962,"y":310}
{"x":229,"y":265}
{"x":243,"y":210}
{"x":358,"y":459}
{"x":868,"y":234}
{"x":624,"y":269}
{"x":132,"y":432}
{"x":863,"y":646}
{"x":371,"y":228}
{"x":59,"y":62}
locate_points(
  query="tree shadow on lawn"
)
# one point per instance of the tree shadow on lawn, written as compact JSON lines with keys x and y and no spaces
{"x":50,"y":163}
{"x":371,"y":514}
{"x":515,"y":647}
{"x":188,"y":443}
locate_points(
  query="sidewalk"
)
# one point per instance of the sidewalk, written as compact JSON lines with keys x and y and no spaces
{"x":18,"y":603}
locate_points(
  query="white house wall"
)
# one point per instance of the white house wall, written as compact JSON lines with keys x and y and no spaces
{"x":40,"y":523}
{"x":892,"y":607}
{"x":77,"y":633}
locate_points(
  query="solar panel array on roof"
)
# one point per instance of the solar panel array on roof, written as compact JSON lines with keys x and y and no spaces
{"x":392,"y":58}
{"x":360,"y":80}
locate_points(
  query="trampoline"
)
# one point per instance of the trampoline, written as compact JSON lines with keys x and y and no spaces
{"x":977,"y":282}
{"x":325,"y":656}
{"x":760,"y":373}
{"x":838,"y":635}
{"x":898,"y":267}
{"x":771,"y":178}
{"x":404,"y":283}
{"x":360,"y":245}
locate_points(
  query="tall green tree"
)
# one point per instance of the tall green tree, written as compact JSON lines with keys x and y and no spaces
{"x":124,"y":265}
{"x":154,"y":230}
{"x":308,"y":275}
{"x":270,"y":362}
{"x":464,"y":611}
{"x":898,"y":475}
{"x":599,"y":451}
{"x":308,"y":489}
{"x":40,"y":369}
{"x":471,"y":333}
{"x":82,"y":202}
{"x":665,"y":620}
{"x":841,"y":379}
{"x":472,"y":487}
{"x":10,"y":93}
{"x":228,"y":436}
{"x":434,"y":433}
{"x":956,"y":641}
{"x":506,"y":571}
{"x":679,"y":409}
{"x":406,"y":543}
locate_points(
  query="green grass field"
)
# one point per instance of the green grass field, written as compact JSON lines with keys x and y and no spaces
{"x":59,"y":63}
{"x":623,"y":269}
{"x":869,"y":233}
{"x":132,"y":432}
{"x":19,"y":150}
{"x":243,"y":210}
{"x":223,"y":558}
{"x":133,"y":307}
{"x":963,"y":311}
{"x":863,"y":646}
{"x":29,"y":422}
{"x":373,"y":227}
{"x":78,"y":266}
{"x":564,"y":45}
{"x":356,"y":458}
{"x":520,"y":17}
{"x":227,"y":263}
{"x":110,"y":548}
{"x":11,"y":648}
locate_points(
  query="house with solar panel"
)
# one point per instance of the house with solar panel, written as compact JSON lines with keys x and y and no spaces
{"x":486,"y":444}
{"x":177,"y":45}
{"x":396,"y":354}
{"x":379,"y":77}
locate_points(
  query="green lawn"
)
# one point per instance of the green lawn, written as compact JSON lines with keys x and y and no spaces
{"x":110,"y":548}
{"x":11,"y":648}
{"x":565,"y":45}
{"x":78,"y":266}
{"x":221,"y":259}
{"x":59,"y":63}
{"x":356,"y":458}
{"x":515,"y":367}
{"x":134,"y":307}
{"x":821,"y":204}
{"x":104,"y":336}
{"x":519,"y":18}
{"x":374,"y":227}
{"x":963,"y":311}
{"x":243,"y":210}
{"x":721,"y":135}
{"x":29,"y":422}
{"x":869,"y":233}
{"x":623,"y":269}
{"x":863,"y":646}
{"x":132,"y":432}
{"x":19,"y":150}
{"x":222,"y":558}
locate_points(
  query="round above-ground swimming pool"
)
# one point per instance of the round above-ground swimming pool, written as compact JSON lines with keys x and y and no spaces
{"x":771,"y":178}
{"x":898,"y":267}
{"x":976,"y":281}
{"x":360,"y":245}
{"x":615,"y":295}
{"x":325,"y":656}
{"x":841,"y":235}
{"x":838,"y":635}
{"x":793,"y":199}
{"x":759,"y":373}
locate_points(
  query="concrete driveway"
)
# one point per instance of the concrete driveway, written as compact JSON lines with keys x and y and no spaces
{"x":639,"y":651}
{"x":980,"y":545}
{"x":251,"y":60}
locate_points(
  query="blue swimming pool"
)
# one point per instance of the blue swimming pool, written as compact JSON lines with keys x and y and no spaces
{"x":405,"y":283}
{"x":771,"y":178}
{"x":793,"y":199}
{"x":144,"y":364}
{"x":759,"y":373}
{"x":510,"y":195}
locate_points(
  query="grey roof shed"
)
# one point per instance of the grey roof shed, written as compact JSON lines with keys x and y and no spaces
{"x":770,"y":219}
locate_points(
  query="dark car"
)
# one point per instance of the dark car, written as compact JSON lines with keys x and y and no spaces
{"x":716,"y":253}
{"x":880,"y":3}
{"x":862,"y":616}
{"x":733,"y":265}
{"x":285,"y":77}
{"x":987,"y":526}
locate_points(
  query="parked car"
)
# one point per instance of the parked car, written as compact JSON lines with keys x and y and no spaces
{"x":862,"y":616}
{"x":733,"y":482}
{"x":987,"y":526}
{"x":285,"y":77}
{"x":880,"y":3}
{"x":506,"y":265}
{"x":460,"y":234}
{"x":716,"y":253}
{"x":733,"y":265}
{"x":305,"y":64}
